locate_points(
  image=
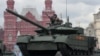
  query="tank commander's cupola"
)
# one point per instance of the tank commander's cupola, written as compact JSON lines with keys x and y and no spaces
{"x":68,"y":24}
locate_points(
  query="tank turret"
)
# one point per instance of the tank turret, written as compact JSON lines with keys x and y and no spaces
{"x":57,"y":37}
{"x":51,"y":29}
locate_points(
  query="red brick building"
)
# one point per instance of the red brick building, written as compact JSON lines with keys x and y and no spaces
{"x":13,"y":26}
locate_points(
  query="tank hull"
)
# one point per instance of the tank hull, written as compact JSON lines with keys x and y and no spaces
{"x":38,"y":49}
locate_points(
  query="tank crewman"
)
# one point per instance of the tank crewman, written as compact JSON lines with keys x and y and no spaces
{"x":55,"y":20}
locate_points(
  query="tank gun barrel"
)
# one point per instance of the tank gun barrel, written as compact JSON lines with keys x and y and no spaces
{"x":26,"y":19}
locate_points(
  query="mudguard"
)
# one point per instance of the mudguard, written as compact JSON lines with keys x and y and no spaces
{"x":42,"y":43}
{"x":61,"y":39}
{"x":23,"y":39}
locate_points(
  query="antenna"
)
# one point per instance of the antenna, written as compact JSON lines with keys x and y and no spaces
{"x":66,"y":8}
{"x":68,"y":19}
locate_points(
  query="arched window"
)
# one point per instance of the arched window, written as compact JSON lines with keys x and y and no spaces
{"x":10,"y":37}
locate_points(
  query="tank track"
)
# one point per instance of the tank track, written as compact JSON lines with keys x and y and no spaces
{"x":23,"y":48}
{"x":26,"y":52}
{"x":67,"y":51}
{"x":0,"y":53}
{"x":42,"y":53}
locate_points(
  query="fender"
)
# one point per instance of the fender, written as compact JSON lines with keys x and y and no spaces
{"x":61,"y":39}
{"x":23,"y":39}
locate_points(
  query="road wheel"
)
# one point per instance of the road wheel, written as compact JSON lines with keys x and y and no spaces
{"x":64,"y":49}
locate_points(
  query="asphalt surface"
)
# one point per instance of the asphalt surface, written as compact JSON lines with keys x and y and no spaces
{"x":95,"y":54}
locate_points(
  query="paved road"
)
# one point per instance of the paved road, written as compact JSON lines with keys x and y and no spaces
{"x":58,"y":54}
{"x":95,"y":54}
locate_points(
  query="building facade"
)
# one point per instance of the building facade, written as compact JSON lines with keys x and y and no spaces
{"x":97,"y":27}
{"x":90,"y":31}
{"x":13,"y":26}
{"x":48,"y":10}
{"x":94,"y":28}
{"x":10,"y":26}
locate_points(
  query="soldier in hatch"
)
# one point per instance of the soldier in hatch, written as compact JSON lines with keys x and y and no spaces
{"x":55,"y":20}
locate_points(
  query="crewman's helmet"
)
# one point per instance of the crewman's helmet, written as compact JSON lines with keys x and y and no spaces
{"x":54,"y":15}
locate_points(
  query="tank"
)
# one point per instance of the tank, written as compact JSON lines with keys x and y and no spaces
{"x":70,"y":41}
{"x":1,"y":46}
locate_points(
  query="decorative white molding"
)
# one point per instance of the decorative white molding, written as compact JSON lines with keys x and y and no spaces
{"x":18,"y":33}
{"x":33,"y":11}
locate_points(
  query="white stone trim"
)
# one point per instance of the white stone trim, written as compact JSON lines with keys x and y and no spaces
{"x":33,"y":11}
